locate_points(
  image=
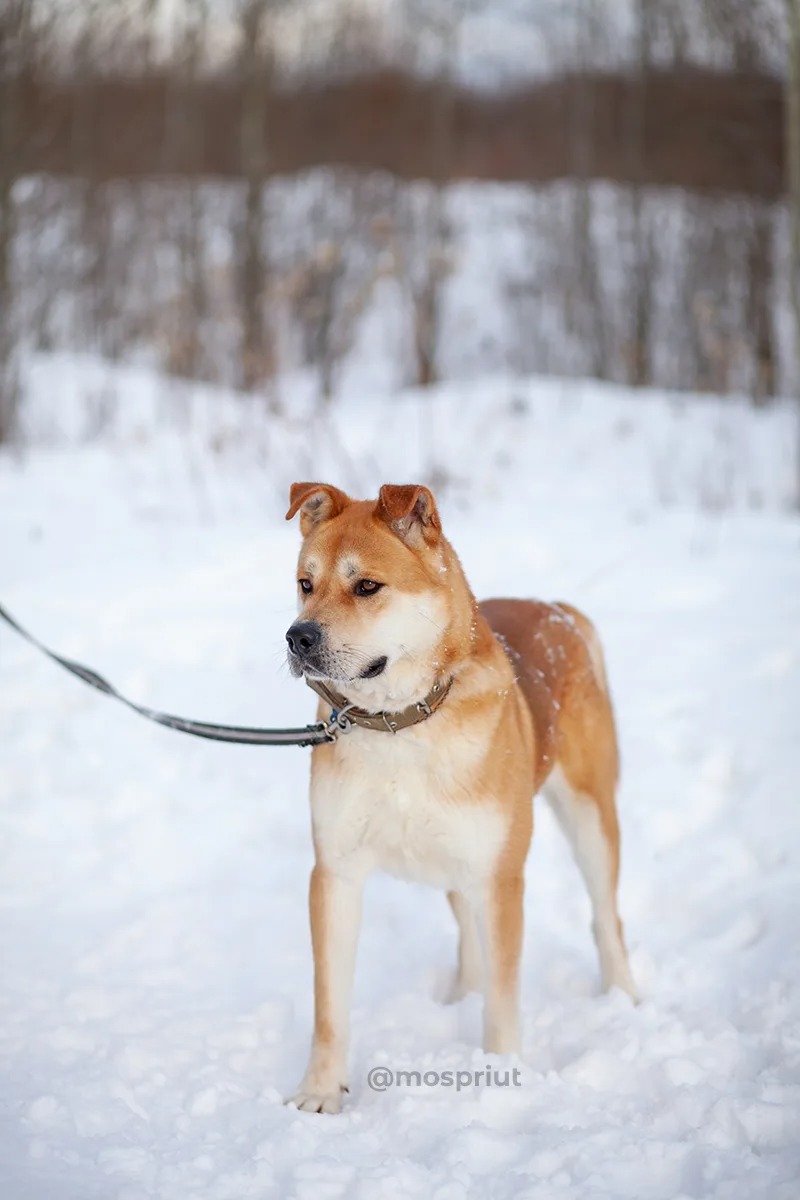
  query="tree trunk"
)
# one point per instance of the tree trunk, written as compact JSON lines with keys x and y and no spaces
{"x":256,"y":363}
{"x":793,"y":171}
{"x":183,"y":151}
{"x":641,"y":293}
{"x":758,"y":308}
{"x":14,"y":25}
{"x":584,"y":289}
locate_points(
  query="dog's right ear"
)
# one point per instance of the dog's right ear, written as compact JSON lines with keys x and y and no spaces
{"x":318,"y":502}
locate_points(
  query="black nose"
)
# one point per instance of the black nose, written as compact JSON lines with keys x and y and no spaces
{"x":304,"y":637}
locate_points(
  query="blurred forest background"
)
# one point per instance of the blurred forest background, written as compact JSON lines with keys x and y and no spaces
{"x":234,"y":190}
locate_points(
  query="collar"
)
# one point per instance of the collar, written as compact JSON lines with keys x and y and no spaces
{"x":345,"y":714}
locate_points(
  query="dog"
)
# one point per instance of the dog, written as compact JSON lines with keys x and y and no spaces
{"x":456,"y":714}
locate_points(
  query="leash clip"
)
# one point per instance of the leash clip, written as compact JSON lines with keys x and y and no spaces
{"x":339,"y":722}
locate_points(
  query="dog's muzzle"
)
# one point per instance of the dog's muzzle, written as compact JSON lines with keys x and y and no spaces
{"x":305,"y":641}
{"x":304,"y":638}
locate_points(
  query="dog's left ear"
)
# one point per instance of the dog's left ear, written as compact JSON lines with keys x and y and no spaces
{"x":410,"y":511}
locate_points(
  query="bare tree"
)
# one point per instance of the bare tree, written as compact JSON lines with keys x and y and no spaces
{"x":585,"y":307}
{"x":424,"y":227}
{"x":182,"y":157}
{"x":15,"y":58}
{"x":94,"y":216}
{"x":793,"y":166}
{"x":758,"y":323}
{"x":746,"y":29}
{"x":643,"y":251}
{"x":255,"y":63}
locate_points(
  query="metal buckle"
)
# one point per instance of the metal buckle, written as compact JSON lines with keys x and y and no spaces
{"x":339,"y":722}
{"x":425,"y":708}
{"x":390,"y":725}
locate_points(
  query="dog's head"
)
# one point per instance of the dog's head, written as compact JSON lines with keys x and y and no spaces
{"x":378,"y":586}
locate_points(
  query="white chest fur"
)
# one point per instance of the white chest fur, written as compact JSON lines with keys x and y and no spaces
{"x":405,"y":804}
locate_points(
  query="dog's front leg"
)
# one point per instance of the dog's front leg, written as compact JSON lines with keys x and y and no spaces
{"x":335,"y":909}
{"x":501,"y":926}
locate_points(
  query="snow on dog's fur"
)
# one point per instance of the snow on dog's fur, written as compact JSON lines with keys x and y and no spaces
{"x":386,"y":613}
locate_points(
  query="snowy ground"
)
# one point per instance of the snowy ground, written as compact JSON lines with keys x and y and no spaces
{"x":155,"y":1000}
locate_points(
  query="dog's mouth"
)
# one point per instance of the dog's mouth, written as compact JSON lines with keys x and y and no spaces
{"x":297,"y":665}
{"x":309,"y":668}
{"x":375,"y":668}
{"x":314,"y":668}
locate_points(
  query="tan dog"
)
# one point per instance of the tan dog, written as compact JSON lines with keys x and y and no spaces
{"x":492,"y":702}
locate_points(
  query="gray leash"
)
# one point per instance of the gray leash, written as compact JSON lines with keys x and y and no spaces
{"x":307,"y":735}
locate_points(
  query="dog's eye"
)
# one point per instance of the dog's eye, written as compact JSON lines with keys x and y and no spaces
{"x":306,"y":586}
{"x":367,"y":587}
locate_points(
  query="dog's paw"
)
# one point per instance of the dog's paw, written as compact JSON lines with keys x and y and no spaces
{"x":316,"y":1096}
{"x":454,"y":990}
{"x":623,"y":982}
{"x":455,"y":987}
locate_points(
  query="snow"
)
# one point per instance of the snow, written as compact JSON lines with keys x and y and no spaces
{"x":155,"y":993}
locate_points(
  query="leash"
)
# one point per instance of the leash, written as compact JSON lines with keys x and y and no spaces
{"x":307,"y":735}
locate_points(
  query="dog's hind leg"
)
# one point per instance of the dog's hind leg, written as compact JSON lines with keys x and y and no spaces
{"x":468,"y":976}
{"x":590,"y":825}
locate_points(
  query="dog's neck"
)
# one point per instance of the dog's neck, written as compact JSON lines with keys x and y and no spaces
{"x":385,"y":720}
{"x":373,"y":695}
